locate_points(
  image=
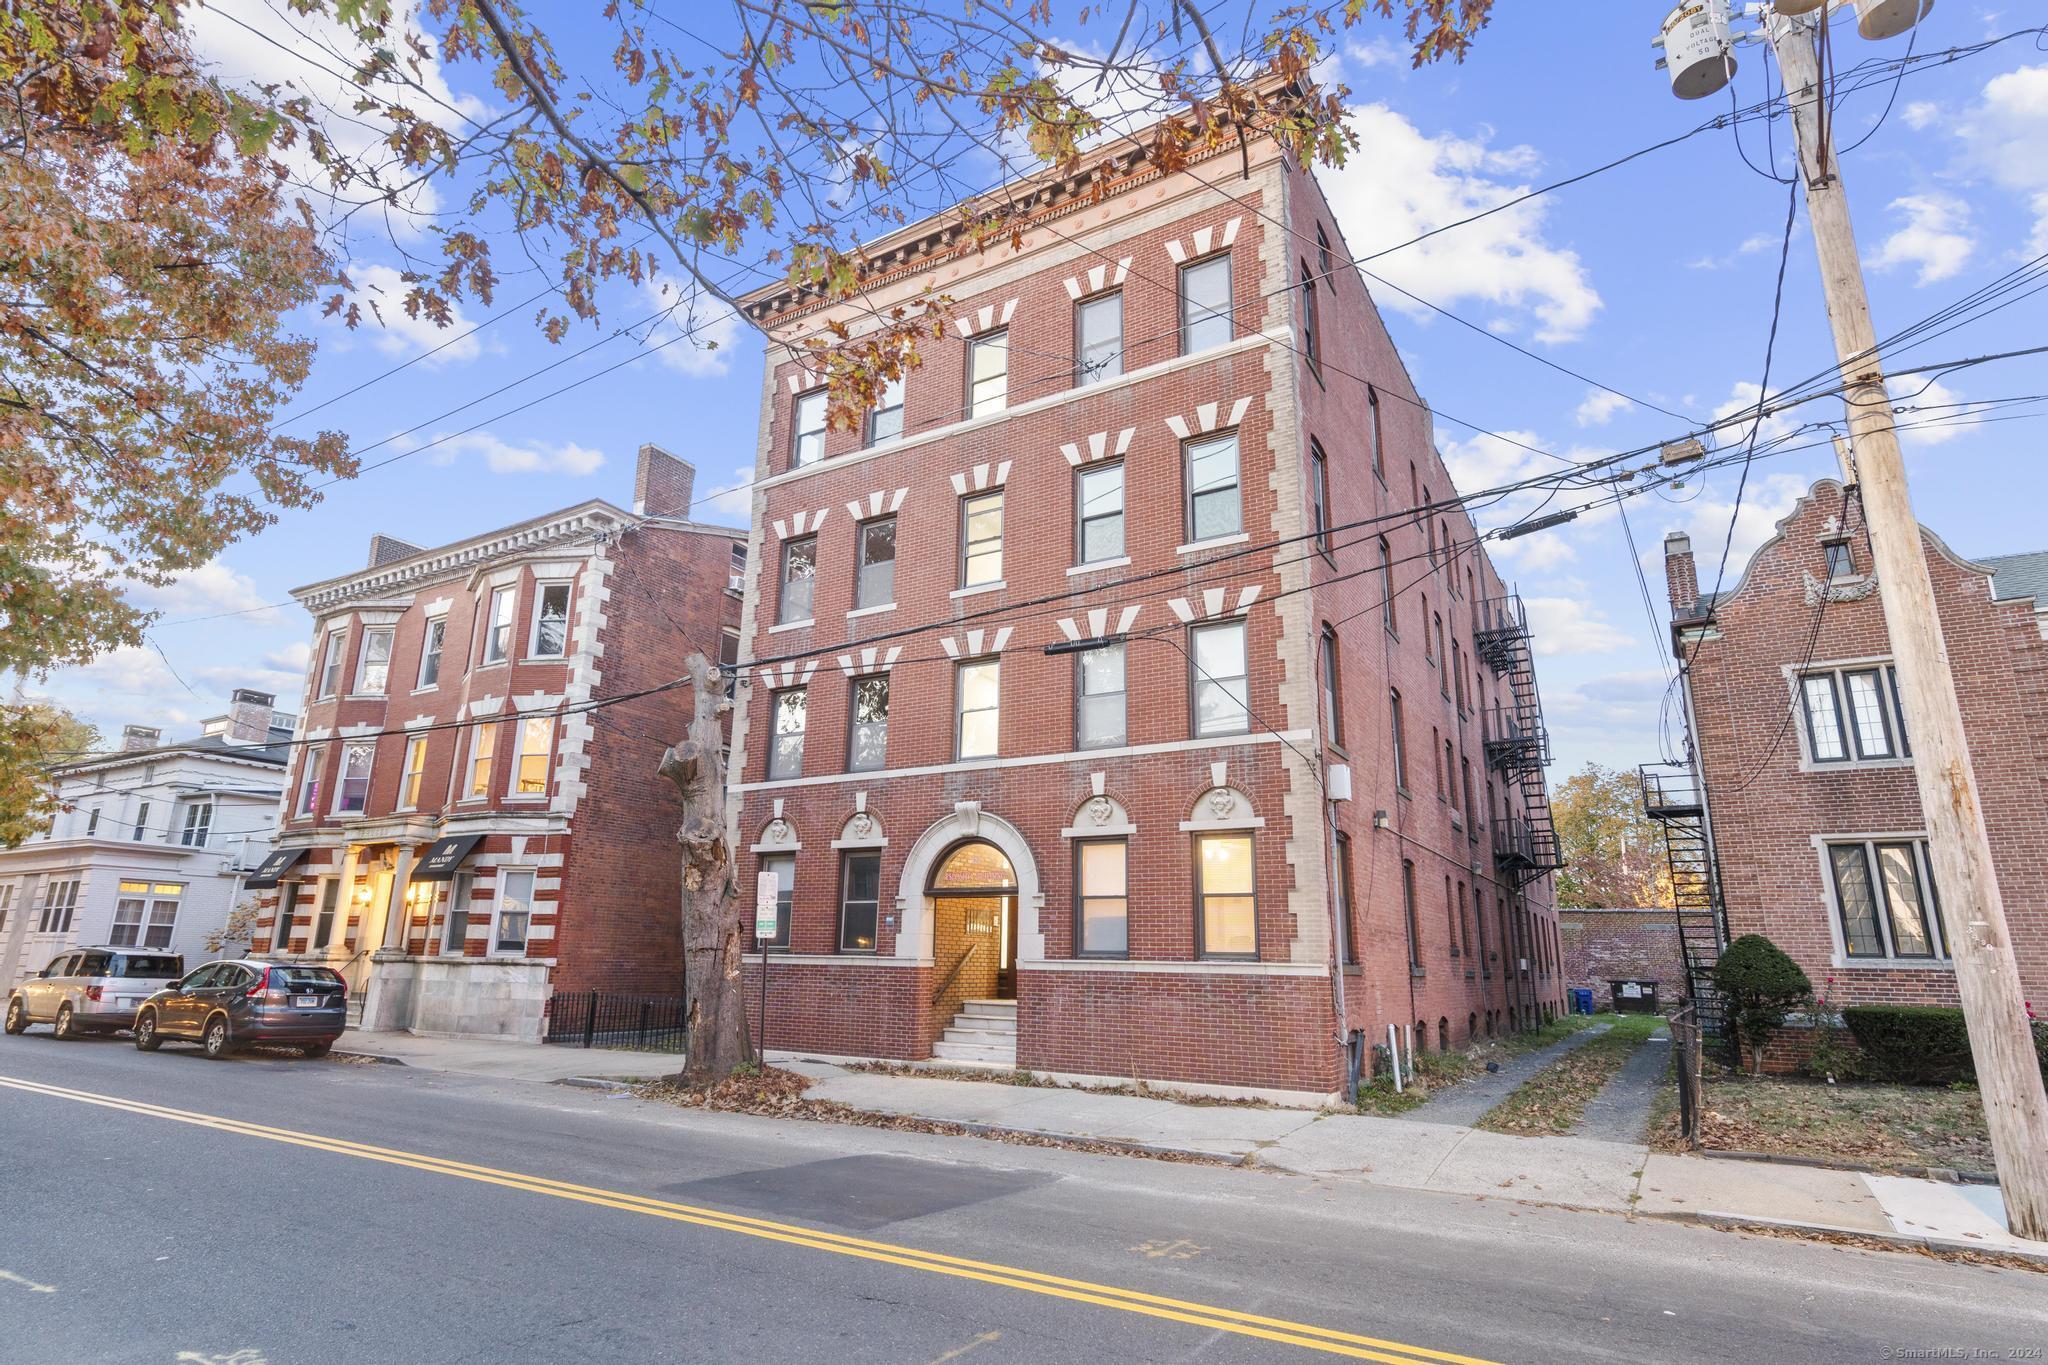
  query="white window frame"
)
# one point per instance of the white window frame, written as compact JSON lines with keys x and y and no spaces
{"x":1112,"y":364}
{"x":141,"y":830}
{"x":1208,"y":314}
{"x":358,"y":746}
{"x":976,"y":553}
{"x":863,"y":585}
{"x":500,"y":610}
{"x":483,"y":747}
{"x":1199,"y":681}
{"x":777,"y":771}
{"x":1836,"y":674}
{"x":888,"y":405}
{"x":308,"y":801}
{"x":999,"y":381}
{"x":500,"y":898}
{"x":413,"y":773}
{"x":855,"y":726}
{"x":785,"y":615}
{"x":333,"y":649}
{"x":961,"y":712}
{"x":365,"y":686}
{"x":460,"y":889}
{"x":1190,"y":514}
{"x":329,"y":910}
{"x":60,"y":902}
{"x":1823,"y":844}
{"x":807,"y":429}
{"x":196,"y":826}
{"x":433,"y":647}
{"x":540,"y":598}
{"x":1083,"y":515}
{"x":1082,"y":696}
{"x":148,"y":902}
{"x":526,"y":744}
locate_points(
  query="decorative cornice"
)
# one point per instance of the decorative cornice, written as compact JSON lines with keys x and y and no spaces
{"x":587,"y":521}
{"x":1838,"y":592}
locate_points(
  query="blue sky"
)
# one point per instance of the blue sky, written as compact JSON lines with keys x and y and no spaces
{"x":1655,"y":278}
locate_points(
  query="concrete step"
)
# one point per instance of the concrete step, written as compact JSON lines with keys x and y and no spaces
{"x":990,"y":1009}
{"x":973,"y":1052}
{"x":972,"y":1019}
{"x":983,"y":1037}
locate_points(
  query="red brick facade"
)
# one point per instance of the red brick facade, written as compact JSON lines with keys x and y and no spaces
{"x":1602,"y":946}
{"x":1782,"y":801}
{"x":1165,"y":1008}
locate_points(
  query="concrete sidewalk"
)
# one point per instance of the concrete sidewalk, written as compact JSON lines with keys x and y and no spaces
{"x":504,"y":1058}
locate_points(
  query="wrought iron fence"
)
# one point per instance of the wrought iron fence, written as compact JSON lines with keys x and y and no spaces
{"x":1685,"y":1065}
{"x":645,"y":1023}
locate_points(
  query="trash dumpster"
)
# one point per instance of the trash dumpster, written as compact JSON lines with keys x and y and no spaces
{"x":1635,"y":997}
{"x":1582,"y":1000}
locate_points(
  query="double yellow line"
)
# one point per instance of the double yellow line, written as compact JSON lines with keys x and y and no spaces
{"x":1314,"y":1338}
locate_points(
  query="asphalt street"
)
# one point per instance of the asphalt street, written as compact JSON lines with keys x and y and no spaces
{"x":163,"y":1208}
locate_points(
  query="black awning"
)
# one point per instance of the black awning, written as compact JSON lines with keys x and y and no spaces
{"x":273,"y":867}
{"x":443,"y":856}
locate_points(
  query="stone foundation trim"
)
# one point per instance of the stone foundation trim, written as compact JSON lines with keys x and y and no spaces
{"x":1177,"y":746}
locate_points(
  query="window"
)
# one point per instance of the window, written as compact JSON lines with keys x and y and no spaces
{"x":1458,"y":673}
{"x":981,"y":539}
{"x":1437,"y":623}
{"x":1400,"y":724}
{"x":988,"y":374}
{"x":1387,"y":616}
{"x":1223,"y":886}
{"x":455,"y":924}
{"x":736,"y":568}
{"x":1347,"y":942}
{"x":1892,"y":911}
{"x":1465,"y":784}
{"x":323,"y":923}
{"x":141,"y":822}
{"x":430,"y":651}
{"x":786,"y":745}
{"x":1333,"y":705}
{"x":1099,"y":339}
{"x":92,"y":822}
{"x":352,"y":791}
{"x":1437,"y":756}
{"x":309,"y":780}
{"x":60,"y":899}
{"x":287,"y":911}
{"x":1099,"y":510}
{"x":373,"y":669}
{"x":498,"y":625}
{"x":1205,"y":308}
{"x":807,"y":437}
{"x":1465,"y":918}
{"x":1451,"y":917}
{"x":1220,"y":683}
{"x":550,"y":622}
{"x":1099,"y":721}
{"x":1322,"y":253}
{"x":1428,"y":641}
{"x":978,"y":693}
{"x":860,"y":898}
{"x":1450,"y":775}
{"x":145,"y":914}
{"x":799,"y":579}
{"x":198,"y":823}
{"x":1311,"y":329}
{"x":536,"y":742}
{"x":515,"y":911}
{"x":1102,"y":893}
{"x":885,"y":420}
{"x":330,"y":662}
{"x":415,"y":769}
{"x":483,"y":744}
{"x":1373,"y":434}
{"x":867,"y":746}
{"x":1871,"y":721}
{"x":782,"y":866}
{"x":1213,"y":506}
{"x":1319,"y":495}
{"x":875,"y":572}
{"x":1841,"y":560}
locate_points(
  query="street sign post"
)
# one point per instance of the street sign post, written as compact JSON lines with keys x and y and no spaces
{"x":767,"y":895}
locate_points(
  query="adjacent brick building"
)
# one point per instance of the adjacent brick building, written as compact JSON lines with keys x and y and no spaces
{"x":1808,"y":779}
{"x":472,"y":819}
{"x":1054,"y":666}
{"x":1606,"y":944}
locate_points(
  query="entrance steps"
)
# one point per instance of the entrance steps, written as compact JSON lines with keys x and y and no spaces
{"x":983,"y":1033}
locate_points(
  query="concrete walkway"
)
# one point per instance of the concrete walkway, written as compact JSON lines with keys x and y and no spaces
{"x":1621,"y":1111}
{"x":1463,"y":1104}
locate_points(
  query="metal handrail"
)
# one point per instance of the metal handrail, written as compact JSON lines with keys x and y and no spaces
{"x":954,"y":974}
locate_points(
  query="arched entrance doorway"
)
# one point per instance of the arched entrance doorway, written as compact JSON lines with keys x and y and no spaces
{"x":972,"y":892}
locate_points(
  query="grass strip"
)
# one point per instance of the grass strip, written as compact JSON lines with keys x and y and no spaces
{"x":1551,"y":1102}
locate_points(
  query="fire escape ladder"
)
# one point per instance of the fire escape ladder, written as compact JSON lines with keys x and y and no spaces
{"x":1672,"y":797}
{"x":1517,"y":744}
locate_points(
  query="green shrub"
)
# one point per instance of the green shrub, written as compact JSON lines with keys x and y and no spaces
{"x":1912,"y":1044}
{"x":1760,"y":985}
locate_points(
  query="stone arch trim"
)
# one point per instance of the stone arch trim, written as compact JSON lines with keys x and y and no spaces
{"x":967,"y":821}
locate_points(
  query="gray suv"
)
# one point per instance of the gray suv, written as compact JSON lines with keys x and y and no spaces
{"x":91,"y":990}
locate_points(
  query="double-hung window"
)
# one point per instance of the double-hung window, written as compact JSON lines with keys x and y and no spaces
{"x":875,"y":574}
{"x":1221,"y":683}
{"x":786,"y":743}
{"x":1374,"y":435}
{"x":860,"y":901}
{"x":1102,"y":895}
{"x":198,"y":823}
{"x":498,"y":624}
{"x":1214,"y":508}
{"x":141,"y":830}
{"x":515,"y":911}
{"x":1319,"y":495}
{"x":60,"y":900}
{"x":331,"y":651}
{"x":414,"y":770}
{"x":373,"y":668}
{"x":1311,"y":323}
{"x":988,"y":374}
{"x":977,"y":725}
{"x":352,"y":792}
{"x":885,"y":419}
{"x":1347,"y":939}
{"x":1099,"y":339}
{"x":1386,"y":576}
{"x":323,"y":921}
{"x":145,"y":914}
{"x":430,"y":651}
{"x":1224,"y":891}
{"x":782,"y":866}
{"x":536,"y":743}
{"x":1205,"y":304}
{"x":1099,"y":511}
{"x":309,"y":780}
{"x":1100,"y":716}
{"x":550,"y":622}
{"x":867,"y":743}
{"x":1333,"y":692}
{"x":807,"y":435}
{"x":981,"y":539}
{"x":1400,"y":729}
{"x":1853,"y":714}
{"x":483,"y":745}
{"x":455,"y":925}
{"x":1885,"y":899}
{"x":799,"y":579}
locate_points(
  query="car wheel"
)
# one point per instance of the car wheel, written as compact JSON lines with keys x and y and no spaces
{"x":215,"y":1039}
{"x":64,"y":1028}
{"x":315,"y":1049}
{"x":146,"y":1039}
{"x":17,"y":1016}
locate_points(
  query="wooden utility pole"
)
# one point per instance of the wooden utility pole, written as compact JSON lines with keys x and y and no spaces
{"x":1973,"y":915}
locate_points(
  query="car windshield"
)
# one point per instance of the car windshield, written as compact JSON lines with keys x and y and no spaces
{"x":305,"y":979}
{"x":155,"y":967}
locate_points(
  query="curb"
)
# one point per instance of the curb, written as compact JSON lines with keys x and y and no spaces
{"x":1942,"y":1173}
{"x":369,"y":1057}
{"x":1945,"y":1247}
{"x":594,"y":1083}
{"x":994,"y":1130}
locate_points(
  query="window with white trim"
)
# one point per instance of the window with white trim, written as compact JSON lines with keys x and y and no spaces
{"x":786,"y":744}
{"x":867,"y":743}
{"x":1100,"y":715}
{"x":807,"y":429}
{"x":60,"y":899}
{"x":550,"y":622}
{"x":6,"y":904}
{"x":1099,"y":510}
{"x":197,"y":824}
{"x":483,"y":745}
{"x":875,"y":570}
{"x":498,"y":624}
{"x":536,"y":743}
{"x":799,"y":579}
{"x":330,"y":662}
{"x":455,"y":923}
{"x":1214,"y":507}
{"x":323,"y":920}
{"x":782,"y":866}
{"x":978,"y":708}
{"x":514,"y":911}
{"x":1853,"y":714}
{"x":1099,"y":338}
{"x":981,"y":539}
{"x":988,"y":374}
{"x":309,"y":780}
{"x":141,"y":830}
{"x":435,"y":636}
{"x":415,"y":769}
{"x":1102,"y":893}
{"x":1224,"y":891}
{"x":885,"y":420}
{"x":373,"y":666}
{"x":145,"y":914}
{"x":352,"y":790}
{"x":1219,"y":679}
{"x":1205,"y":304}
{"x":1886,"y":906}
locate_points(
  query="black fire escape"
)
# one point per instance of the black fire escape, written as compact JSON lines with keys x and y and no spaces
{"x":1672,"y":797}
{"x":1517,"y":745}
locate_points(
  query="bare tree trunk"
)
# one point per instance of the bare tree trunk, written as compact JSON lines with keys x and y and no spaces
{"x":715,"y":1017}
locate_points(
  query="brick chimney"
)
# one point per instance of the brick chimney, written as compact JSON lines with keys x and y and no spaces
{"x":1681,"y":576}
{"x":136,"y":738}
{"x":662,"y":484}
{"x":249,"y":715}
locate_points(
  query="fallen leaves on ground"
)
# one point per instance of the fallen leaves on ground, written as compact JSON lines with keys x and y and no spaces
{"x":1551,"y":1102}
{"x":1890,"y":1127}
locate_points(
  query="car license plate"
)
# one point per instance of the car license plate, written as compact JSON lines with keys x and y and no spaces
{"x":307,"y":1002}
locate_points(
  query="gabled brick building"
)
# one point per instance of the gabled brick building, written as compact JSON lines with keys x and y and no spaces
{"x":1807,"y":768}
{"x":1055,"y":666}
{"x":472,"y":820}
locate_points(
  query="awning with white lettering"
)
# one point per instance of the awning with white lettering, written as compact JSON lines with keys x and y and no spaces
{"x":271,"y":870}
{"x":443,"y":856}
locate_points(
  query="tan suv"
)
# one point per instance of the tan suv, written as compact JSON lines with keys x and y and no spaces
{"x":91,"y":990}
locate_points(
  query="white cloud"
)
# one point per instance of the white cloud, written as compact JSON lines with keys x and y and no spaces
{"x":1753,"y":245}
{"x":1568,"y":625}
{"x":1379,"y":52}
{"x":2003,"y":137}
{"x":713,"y":329}
{"x":733,"y":500}
{"x":1536,"y":553}
{"x":380,"y":295}
{"x":1742,"y":401}
{"x":531,"y":457}
{"x":1920,"y":113}
{"x":1600,"y":407}
{"x":293,"y":658}
{"x":209,"y":590}
{"x":1933,"y":415}
{"x":1936,"y":238}
{"x":1402,"y":182}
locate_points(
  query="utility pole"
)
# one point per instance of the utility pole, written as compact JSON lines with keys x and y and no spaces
{"x":1973,"y":915}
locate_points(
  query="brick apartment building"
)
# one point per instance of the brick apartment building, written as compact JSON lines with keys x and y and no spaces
{"x":1055,"y":667}
{"x":449,"y":839}
{"x":1805,"y":760}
